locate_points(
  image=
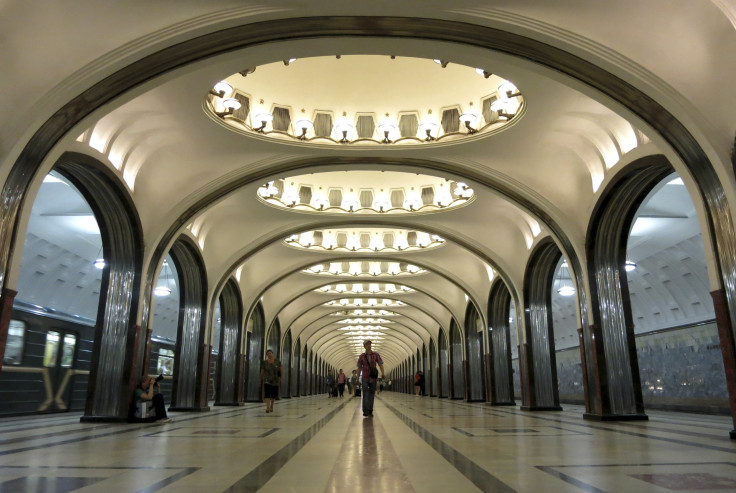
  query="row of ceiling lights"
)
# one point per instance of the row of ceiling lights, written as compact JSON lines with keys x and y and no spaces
{"x":356,"y":269}
{"x":358,"y":288}
{"x":381,"y":203}
{"x":505,"y":106}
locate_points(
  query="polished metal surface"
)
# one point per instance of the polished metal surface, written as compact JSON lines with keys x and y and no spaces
{"x":274,"y":339}
{"x":190,"y":333}
{"x":286,"y":366}
{"x":230,"y":343}
{"x":539,"y":329}
{"x":456,"y":360}
{"x":296,"y":370}
{"x":255,"y":354}
{"x":303,"y":373}
{"x":502,"y":383}
{"x":606,"y":245}
{"x":444,"y":358}
{"x":432,"y":374}
{"x":122,"y":247}
{"x":474,"y":355}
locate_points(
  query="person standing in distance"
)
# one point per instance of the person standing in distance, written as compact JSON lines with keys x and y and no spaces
{"x":367,"y":363}
{"x":271,"y":378}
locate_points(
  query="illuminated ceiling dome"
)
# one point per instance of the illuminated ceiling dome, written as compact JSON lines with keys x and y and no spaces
{"x":365,"y":100}
{"x":366,"y":192}
{"x":376,"y":240}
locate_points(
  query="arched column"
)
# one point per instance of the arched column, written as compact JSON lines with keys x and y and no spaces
{"x":501,"y":385}
{"x":457,"y":363}
{"x":255,"y":354}
{"x":616,"y":391}
{"x":539,"y":364}
{"x":119,"y":345}
{"x":474,"y":371}
{"x":230,"y":367}
{"x":286,"y":365}
{"x":192,"y":351}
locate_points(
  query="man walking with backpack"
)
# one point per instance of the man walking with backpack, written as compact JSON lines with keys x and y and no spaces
{"x":367,"y":365}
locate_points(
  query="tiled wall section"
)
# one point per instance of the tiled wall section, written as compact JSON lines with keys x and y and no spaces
{"x":680,"y":369}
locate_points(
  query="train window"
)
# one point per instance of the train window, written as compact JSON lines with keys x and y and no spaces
{"x":14,"y":345}
{"x":52,"y":349}
{"x":67,"y":350}
{"x":165,"y":361}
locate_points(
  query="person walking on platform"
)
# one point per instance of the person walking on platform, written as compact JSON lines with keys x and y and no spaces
{"x":341,"y":381}
{"x":271,"y":377}
{"x":368,"y":364}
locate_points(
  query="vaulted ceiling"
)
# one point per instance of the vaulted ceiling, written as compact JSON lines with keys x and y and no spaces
{"x":190,"y":171}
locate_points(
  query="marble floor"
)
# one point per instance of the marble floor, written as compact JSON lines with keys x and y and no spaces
{"x":420,"y":444}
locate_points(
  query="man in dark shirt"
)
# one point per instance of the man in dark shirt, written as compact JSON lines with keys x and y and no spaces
{"x":367,"y":361}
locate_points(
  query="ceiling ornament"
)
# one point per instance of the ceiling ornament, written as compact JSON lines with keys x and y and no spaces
{"x":363,"y":312}
{"x":360,"y":288}
{"x":364,"y":268}
{"x":360,"y":321}
{"x":382,"y":240}
{"x":367,"y":100}
{"x":371,"y":192}
{"x":364,"y":303}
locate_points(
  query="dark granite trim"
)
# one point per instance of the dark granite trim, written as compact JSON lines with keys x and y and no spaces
{"x":259,"y":476}
{"x":481,"y":478}
{"x":552,"y":471}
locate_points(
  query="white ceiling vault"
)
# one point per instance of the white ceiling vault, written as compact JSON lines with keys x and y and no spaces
{"x":165,"y":145}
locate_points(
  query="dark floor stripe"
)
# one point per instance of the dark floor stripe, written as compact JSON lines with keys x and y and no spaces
{"x":589,"y":424}
{"x":254,"y":480}
{"x":367,"y":461}
{"x":127,"y":429}
{"x":170,"y":480}
{"x":571,"y":480}
{"x":481,"y":478}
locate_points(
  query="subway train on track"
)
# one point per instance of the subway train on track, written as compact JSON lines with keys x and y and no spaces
{"x":47,"y":362}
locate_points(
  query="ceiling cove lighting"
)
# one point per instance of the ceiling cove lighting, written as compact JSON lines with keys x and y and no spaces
{"x":445,"y":197}
{"x":262,"y":100}
{"x":165,"y":288}
{"x":358,"y":288}
{"x":563,"y":280}
{"x":360,"y":241}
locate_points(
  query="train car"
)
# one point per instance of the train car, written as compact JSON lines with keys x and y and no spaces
{"x":46,"y":363}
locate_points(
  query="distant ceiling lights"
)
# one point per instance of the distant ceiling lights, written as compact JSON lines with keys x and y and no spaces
{"x":165,"y":288}
{"x":372,"y":119}
{"x":361,"y":313}
{"x":358,"y":288}
{"x":353,"y":240}
{"x":329,"y":193}
{"x":364,"y":303}
{"x":563,"y":280}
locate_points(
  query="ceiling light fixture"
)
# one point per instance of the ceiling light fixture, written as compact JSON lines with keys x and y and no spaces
{"x":563,"y":280}
{"x":629,"y":265}
{"x":508,"y":102}
{"x":469,"y":119}
{"x":264,"y":117}
{"x":163,"y":289}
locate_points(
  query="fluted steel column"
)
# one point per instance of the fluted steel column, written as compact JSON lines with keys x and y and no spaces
{"x":608,"y":234}
{"x":255,"y":354}
{"x":230,"y":344}
{"x":475,"y":378}
{"x":502,"y":381}
{"x":191,"y":368}
{"x":540,"y":347}
{"x":7,"y":296}
{"x":286,"y":366}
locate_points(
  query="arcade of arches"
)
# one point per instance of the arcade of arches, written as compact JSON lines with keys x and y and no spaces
{"x":531,"y":207}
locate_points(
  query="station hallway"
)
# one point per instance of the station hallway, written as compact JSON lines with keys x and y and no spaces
{"x":420,"y":444}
